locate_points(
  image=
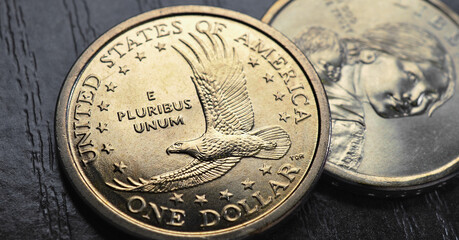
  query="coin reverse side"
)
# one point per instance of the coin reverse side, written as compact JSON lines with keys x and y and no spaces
{"x":390,"y":72}
{"x":192,"y":122}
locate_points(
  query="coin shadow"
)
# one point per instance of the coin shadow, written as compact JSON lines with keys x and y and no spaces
{"x":100,"y":225}
{"x":329,"y":211}
{"x":319,"y":214}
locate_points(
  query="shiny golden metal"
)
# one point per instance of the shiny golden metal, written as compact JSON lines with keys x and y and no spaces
{"x":389,"y":70}
{"x":192,"y":122}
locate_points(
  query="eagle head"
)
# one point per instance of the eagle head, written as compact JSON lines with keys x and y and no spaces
{"x":181,"y":147}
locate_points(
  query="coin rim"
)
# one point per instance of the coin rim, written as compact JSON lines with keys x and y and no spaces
{"x":137,"y":228}
{"x":386,"y":186}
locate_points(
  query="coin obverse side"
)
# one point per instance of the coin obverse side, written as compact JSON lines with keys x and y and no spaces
{"x":389,"y":70}
{"x":192,"y":122}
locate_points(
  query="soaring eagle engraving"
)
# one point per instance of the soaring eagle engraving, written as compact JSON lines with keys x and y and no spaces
{"x":220,"y":83}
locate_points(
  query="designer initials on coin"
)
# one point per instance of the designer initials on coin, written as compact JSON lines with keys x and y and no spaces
{"x":389,"y":68}
{"x":192,"y":122}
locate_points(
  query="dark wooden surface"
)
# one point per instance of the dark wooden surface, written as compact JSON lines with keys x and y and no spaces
{"x":40,"y":40}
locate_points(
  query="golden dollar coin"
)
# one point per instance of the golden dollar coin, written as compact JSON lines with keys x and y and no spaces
{"x":389,"y":70}
{"x":192,"y":122}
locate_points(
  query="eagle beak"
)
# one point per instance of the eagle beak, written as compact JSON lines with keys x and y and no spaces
{"x":168,"y":152}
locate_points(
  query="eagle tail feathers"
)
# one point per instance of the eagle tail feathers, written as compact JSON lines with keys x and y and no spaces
{"x":277,"y":142}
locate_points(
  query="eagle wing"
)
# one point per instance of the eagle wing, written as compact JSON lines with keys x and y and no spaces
{"x":220,"y":82}
{"x":193,"y":174}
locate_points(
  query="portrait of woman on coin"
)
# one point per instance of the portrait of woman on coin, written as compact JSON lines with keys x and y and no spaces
{"x":399,"y":69}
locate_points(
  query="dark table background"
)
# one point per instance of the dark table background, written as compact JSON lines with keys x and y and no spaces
{"x":39,"y":42}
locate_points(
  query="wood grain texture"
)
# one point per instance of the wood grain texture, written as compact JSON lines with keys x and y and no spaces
{"x":40,"y":40}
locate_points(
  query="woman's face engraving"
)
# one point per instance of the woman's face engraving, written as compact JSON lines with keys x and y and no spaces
{"x":399,"y":88}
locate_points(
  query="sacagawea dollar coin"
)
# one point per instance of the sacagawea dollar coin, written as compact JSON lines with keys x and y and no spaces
{"x":192,"y":122}
{"x":389,"y":70}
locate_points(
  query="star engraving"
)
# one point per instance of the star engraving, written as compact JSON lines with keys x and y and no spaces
{"x":102,"y":127}
{"x":119,"y":167}
{"x":103,"y":107}
{"x":235,"y":116}
{"x":279,"y":96}
{"x":140,"y":56}
{"x":111,"y":87}
{"x":283,"y":116}
{"x":107,"y":148}
{"x":123,"y":70}
{"x":177,"y":198}
{"x":248,"y":184}
{"x":225,"y":195}
{"x":160,"y":46}
{"x":266,"y":169}
{"x":268,"y":78}
{"x":201,"y":199}
{"x":253,"y":62}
